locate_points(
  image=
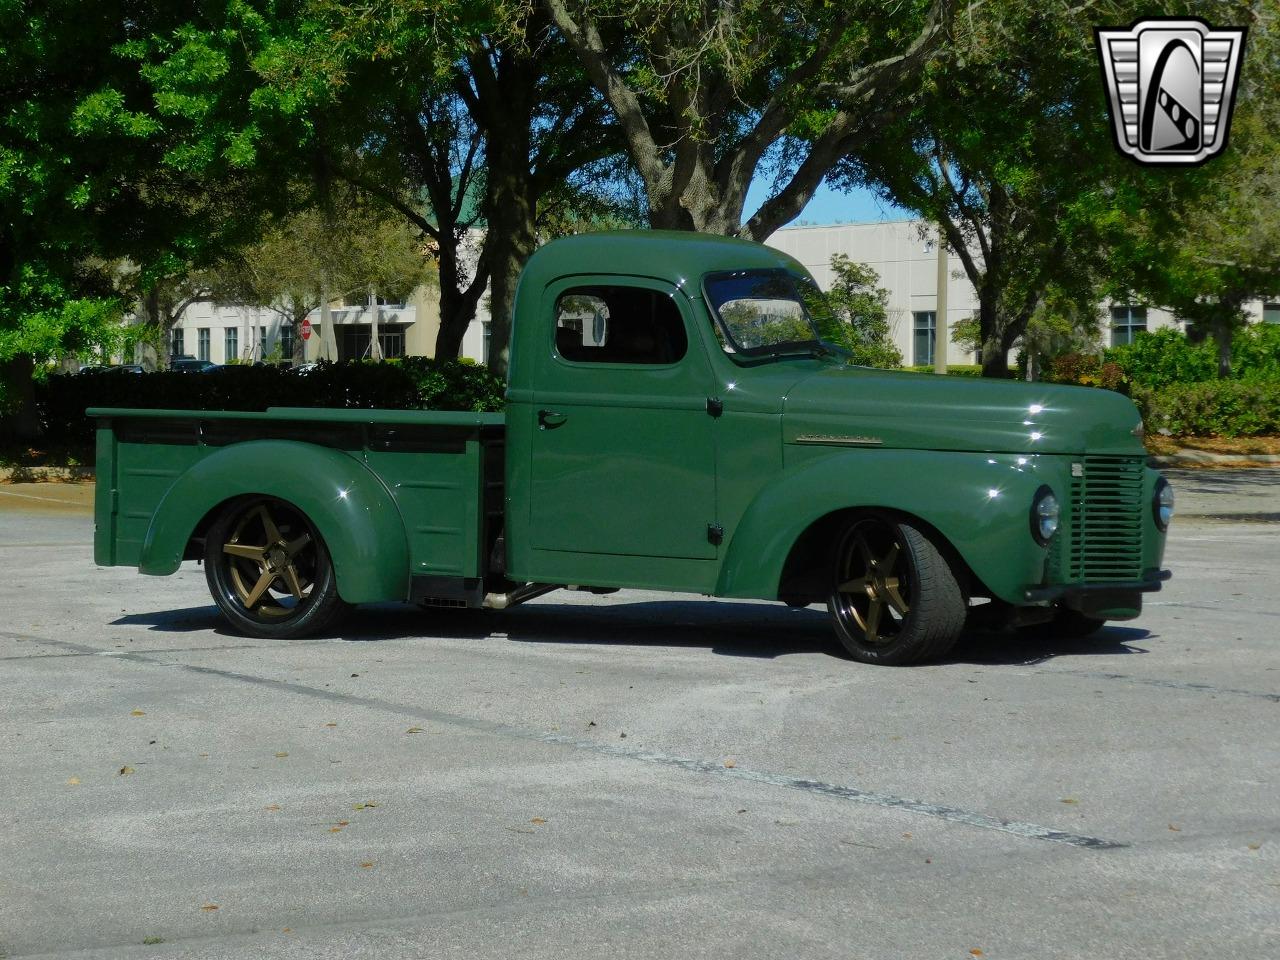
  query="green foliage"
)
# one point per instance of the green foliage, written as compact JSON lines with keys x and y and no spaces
{"x":344,"y":250}
{"x":752,"y":326}
{"x":953,"y":369}
{"x":1215,"y":408}
{"x":93,"y":167}
{"x":967,"y":334}
{"x":1162,"y":357}
{"x":713,"y":96}
{"x":1208,"y":242}
{"x":409,"y":384}
{"x":1256,"y":352}
{"x":859,"y":308}
{"x":79,"y":325}
{"x":1086,"y":370}
{"x":1003,"y":150}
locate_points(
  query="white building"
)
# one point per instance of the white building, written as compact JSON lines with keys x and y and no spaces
{"x":904,"y":254}
{"x":221,"y":334}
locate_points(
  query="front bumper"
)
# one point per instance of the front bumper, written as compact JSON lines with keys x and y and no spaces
{"x":1107,"y":601}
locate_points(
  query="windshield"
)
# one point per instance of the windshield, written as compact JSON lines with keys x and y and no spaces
{"x":763,"y":313}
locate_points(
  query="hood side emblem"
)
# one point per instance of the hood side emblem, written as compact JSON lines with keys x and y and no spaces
{"x":838,"y":441}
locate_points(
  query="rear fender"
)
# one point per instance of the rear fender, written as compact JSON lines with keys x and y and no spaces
{"x":347,"y":502}
{"x":978,"y":502}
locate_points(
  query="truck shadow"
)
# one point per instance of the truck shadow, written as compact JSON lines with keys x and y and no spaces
{"x":1028,"y":647}
{"x":726,"y":628}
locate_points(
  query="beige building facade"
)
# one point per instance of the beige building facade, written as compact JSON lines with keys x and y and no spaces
{"x":224,"y":334}
{"x":904,"y":254}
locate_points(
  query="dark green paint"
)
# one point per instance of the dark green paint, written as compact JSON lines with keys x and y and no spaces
{"x":620,"y":488}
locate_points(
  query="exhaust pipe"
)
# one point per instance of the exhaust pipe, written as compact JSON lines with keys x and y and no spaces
{"x":502,"y":601}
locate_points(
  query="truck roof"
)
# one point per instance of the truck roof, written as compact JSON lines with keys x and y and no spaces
{"x":676,"y":256}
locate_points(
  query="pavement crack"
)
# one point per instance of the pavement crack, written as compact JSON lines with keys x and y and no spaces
{"x":1187,"y":685}
{"x":715,"y":768}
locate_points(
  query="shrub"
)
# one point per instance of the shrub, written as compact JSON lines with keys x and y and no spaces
{"x":1086,"y":370}
{"x":1255,"y":352}
{"x":414,"y":383}
{"x":1216,"y":408}
{"x":1163,"y":357}
{"x":953,"y":369}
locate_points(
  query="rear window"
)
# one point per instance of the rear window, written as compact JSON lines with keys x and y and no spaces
{"x":630,"y":325}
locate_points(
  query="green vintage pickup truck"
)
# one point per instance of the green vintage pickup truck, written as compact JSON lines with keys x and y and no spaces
{"x":674,"y":421}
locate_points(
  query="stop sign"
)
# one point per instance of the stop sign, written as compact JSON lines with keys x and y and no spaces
{"x":306,"y":329}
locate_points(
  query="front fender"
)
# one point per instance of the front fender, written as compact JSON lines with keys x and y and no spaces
{"x":979,"y":502}
{"x":348,"y":504}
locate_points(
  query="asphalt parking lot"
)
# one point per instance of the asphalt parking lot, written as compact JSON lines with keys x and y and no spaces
{"x":635,"y":775}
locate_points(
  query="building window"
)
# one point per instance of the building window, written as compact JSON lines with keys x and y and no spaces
{"x":202,"y":343}
{"x":1271,"y":313}
{"x":391,"y":340}
{"x":925,"y":329}
{"x":262,"y":342}
{"x":230,"y":344}
{"x":1126,"y":323}
{"x":488,"y":335}
{"x":286,"y":341}
{"x":178,"y":345}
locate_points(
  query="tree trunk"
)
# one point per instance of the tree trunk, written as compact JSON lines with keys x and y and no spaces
{"x":1222,"y":330}
{"x":459,"y":296}
{"x":454,"y":320}
{"x":375,"y":347}
{"x":151,"y":307}
{"x":995,"y":360}
{"x":511,"y":211}
{"x":17,"y":383}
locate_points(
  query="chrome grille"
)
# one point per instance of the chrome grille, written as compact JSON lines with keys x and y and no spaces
{"x":1106,"y":520}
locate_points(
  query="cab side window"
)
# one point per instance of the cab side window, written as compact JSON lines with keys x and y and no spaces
{"x":619,"y":325}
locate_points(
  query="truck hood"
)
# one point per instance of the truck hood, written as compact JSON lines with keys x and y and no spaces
{"x":860,"y":406}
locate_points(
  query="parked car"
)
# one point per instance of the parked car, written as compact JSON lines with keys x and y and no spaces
{"x":191,"y":365}
{"x":121,"y":368}
{"x":673,"y":422}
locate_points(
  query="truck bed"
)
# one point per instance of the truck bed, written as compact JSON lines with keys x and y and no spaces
{"x":442,"y":469}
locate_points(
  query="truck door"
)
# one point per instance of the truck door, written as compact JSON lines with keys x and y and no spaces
{"x":623,"y":458}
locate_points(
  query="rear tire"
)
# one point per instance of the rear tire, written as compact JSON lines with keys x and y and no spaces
{"x":894,"y":599}
{"x":269,"y":570}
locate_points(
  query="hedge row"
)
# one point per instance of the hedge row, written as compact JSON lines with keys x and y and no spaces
{"x":412,"y":383}
{"x":1227,"y":408}
{"x":1217,"y":408}
{"x":1163,"y":357}
{"x":953,"y":369}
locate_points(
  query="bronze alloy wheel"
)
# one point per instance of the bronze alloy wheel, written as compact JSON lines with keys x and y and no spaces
{"x":269,"y":570}
{"x":872,"y":592}
{"x":894,"y":598}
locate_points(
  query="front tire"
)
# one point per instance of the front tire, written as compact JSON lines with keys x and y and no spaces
{"x":269,"y":570}
{"x":894,"y":599}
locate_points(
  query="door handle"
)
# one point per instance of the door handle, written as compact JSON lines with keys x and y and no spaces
{"x":549,"y":418}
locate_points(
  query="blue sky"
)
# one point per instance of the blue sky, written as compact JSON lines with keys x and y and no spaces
{"x":831,"y":206}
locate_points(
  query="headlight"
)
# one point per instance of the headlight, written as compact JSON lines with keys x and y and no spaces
{"x":1162,"y":504}
{"x":1045,"y":513}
